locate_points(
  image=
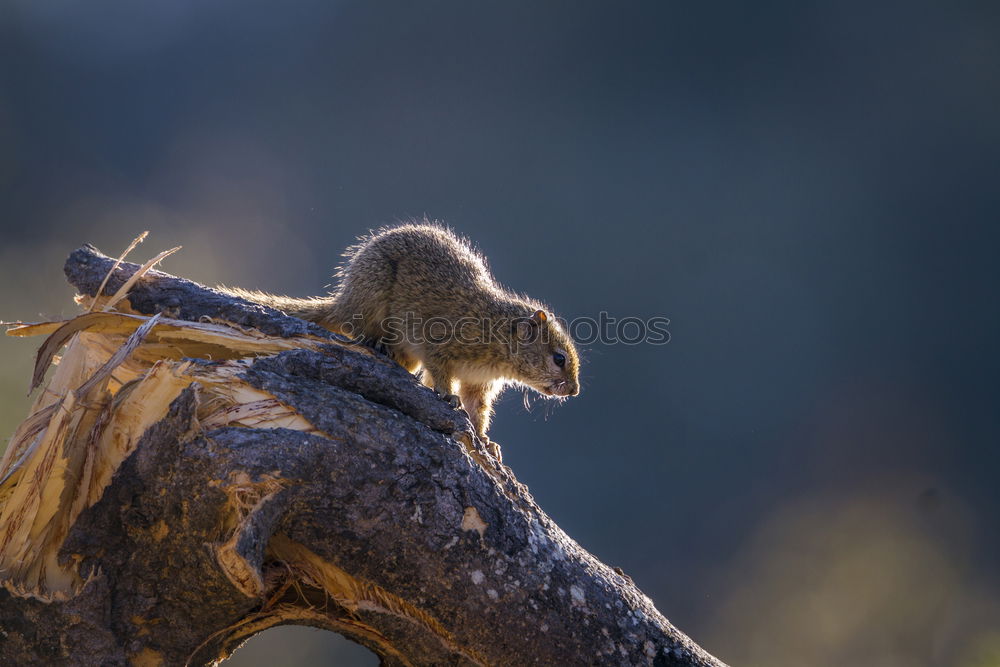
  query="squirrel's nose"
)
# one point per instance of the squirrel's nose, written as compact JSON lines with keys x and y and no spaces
{"x":566,"y":388}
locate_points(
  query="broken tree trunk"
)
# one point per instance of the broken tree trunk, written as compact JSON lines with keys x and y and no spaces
{"x":189,"y":480}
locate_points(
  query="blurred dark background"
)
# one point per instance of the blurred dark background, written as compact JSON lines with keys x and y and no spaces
{"x":807,"y":473}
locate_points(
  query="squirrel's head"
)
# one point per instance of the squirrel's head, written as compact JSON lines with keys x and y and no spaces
{"x":545,"y":357}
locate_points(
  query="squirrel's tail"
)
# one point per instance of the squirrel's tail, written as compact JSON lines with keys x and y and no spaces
{"x":321,"y":310}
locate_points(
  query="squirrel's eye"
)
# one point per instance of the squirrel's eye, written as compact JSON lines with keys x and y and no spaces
{"x":559,"y":358}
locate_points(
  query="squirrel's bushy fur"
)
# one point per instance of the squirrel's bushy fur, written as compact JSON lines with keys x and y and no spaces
{"x":427,"y":298}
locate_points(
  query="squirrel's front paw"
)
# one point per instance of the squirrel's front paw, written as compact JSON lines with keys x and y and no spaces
{"x":453,"y":400}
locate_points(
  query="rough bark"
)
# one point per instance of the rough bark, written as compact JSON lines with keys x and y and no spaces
{"x":384,"y":527}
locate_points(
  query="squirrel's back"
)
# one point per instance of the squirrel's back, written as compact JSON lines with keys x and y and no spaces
{"x":421,"y":269}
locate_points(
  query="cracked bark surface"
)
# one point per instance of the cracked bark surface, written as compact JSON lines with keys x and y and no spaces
{"x":388,"y":523}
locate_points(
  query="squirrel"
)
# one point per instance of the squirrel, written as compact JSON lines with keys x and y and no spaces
{"x":428,"y":299}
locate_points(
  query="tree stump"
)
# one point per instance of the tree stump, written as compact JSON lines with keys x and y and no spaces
{"x":234,"y":469}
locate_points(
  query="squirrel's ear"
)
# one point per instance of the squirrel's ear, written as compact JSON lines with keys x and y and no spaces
{"x":540,"y":316}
